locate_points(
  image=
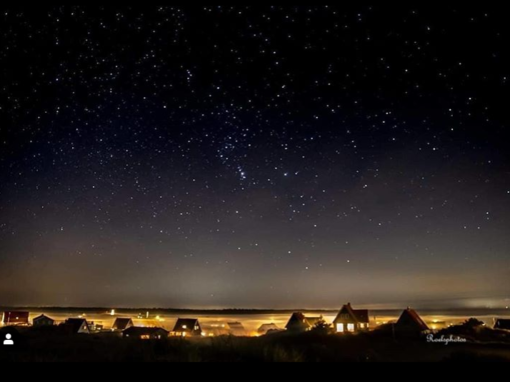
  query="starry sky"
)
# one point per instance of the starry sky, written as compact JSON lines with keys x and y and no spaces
{"x":253,"y":156}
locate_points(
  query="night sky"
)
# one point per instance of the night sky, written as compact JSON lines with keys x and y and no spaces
{"x":246,"y":156}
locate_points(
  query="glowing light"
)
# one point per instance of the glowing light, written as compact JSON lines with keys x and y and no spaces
{"x":112,"y":313}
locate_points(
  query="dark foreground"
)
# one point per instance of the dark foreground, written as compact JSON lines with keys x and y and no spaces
{"x":51,"y":346}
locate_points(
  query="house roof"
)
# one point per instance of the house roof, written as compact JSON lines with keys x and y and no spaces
{"x":43,"y":317}
{"x":502,"y":324}
{"x":236,"y":326}
{"x":186,"y":325}
{"x":359,"y":316}
{"x":298,"y":321}
{"x":75,"y":324}
{"x":16,"y":317}
{"x":122,"y":323}
{"x":136,"y":331}
{"x":411,"y":317}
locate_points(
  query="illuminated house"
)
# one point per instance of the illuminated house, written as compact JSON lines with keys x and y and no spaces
{"x":411,"y":324}
{"x":76,"y":326}
{"x":43,"y":321}
{"x":138,"y":333}
{"x":122,"y":324}
{"x":187,"y":327}
{"x":300,"y":323}
{"x":236,"y":329}
{"x":352,"y":321}
{"x":16,"y":318}
{"x":502,"y":325}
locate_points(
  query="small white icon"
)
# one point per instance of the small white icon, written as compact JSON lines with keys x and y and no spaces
{"x":8,"y":340}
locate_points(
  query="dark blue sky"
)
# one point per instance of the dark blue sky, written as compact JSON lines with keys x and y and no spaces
{"x":245,"y":156}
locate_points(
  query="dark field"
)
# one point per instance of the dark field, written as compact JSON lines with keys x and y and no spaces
{"x":51,"y":346}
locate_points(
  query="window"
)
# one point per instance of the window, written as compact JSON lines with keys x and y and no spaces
{"x":350,"y":328}
{"x":340,"y":328}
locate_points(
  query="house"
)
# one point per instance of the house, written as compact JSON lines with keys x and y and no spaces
{"x":187,"y":327}
{"x":214,"y":330}
{"x":236,"y":329}
{"x":411,"y":324}
{"x":16,"y":318}
{"x":122,"y":324}
{"x":299,"y":323}
{"x":76,"y":326}
{"x":268,"y":328}
{"x":139,"y":333}
{"x":352,"y":321}
{"x":502,"y":324}
{"x":43,"y":321}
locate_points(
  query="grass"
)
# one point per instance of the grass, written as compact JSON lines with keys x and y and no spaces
{"x":51,"y":346}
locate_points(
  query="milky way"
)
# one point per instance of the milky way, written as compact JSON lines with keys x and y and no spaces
{"x":246,"y":156}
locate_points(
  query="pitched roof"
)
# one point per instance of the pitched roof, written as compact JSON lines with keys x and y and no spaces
{"x":15,"y":317}
{"x":411,"y":319}
{"x":122,"y":323}
{"x":502,"y":324}
{"x":75,"y":324}
{"x":298,"y":321}
{"x":235,"y":326}
{"x":136,"y":331}
{"x":186,"y":325}
{"x":359,"y":316}
{"x":43,"y":317}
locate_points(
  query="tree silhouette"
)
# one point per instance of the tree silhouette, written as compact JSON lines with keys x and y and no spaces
{"x":322,"y":326}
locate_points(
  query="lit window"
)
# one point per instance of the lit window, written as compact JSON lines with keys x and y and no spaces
{"x":350,"y":328}
{"x":340,"y":328}
{"x":184,"y":327}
